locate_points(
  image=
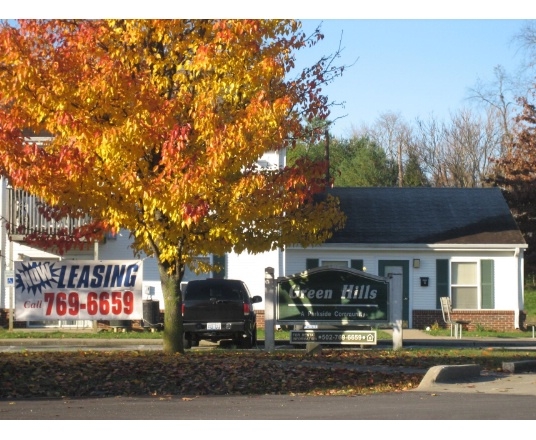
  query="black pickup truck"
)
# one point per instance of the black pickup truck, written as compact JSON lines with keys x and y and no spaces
{"x":218,"y":309}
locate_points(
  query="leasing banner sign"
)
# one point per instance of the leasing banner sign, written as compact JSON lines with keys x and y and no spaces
{"x":332,"y":295}
{"x":78,"y":289}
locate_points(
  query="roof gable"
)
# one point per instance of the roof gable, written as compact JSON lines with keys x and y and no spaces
{"x":421,"y":215}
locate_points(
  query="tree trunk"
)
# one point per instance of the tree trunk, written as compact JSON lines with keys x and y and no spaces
{"x":171,"y":289}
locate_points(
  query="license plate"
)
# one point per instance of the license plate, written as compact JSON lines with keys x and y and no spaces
{"x":214,"y":326}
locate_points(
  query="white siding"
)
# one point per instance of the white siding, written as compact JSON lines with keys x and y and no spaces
{"x":116,"y":247}
{"x":507,"y":282}
{"x":250,"y":269}
{"x":423,"y":298}
{"x":273,"y":159}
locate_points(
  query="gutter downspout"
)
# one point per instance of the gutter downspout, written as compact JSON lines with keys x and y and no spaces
{"x":519,"y":254}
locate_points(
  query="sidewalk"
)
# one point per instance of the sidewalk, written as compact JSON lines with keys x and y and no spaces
{"x":485,"y":383}
{"x":413,"y":337}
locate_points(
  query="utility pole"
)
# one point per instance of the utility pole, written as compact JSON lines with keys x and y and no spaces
{"x":326,"y":155}
{"x":400,"y":170}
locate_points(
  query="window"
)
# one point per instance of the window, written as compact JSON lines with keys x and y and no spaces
{"x":334,"y":263}
{"x":311,"y":263}
{"x":470,"y":284}
{"x":464,"y":285}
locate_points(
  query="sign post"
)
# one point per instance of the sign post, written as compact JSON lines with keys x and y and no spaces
{"x":269,"y":322}
{"x":396,"y":309}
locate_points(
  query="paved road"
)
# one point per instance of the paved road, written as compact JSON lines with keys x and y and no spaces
{"x":408,"y":405}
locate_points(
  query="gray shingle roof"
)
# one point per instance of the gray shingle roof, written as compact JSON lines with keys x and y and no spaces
{"x":425,"y":216}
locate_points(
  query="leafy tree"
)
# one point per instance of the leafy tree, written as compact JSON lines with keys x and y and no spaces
{"x":157,"y":126}
{"x":366,"y":164}
{"x":353,"y":162}
{"x":313,"y":144}
{"x":327,"y":149}
{"x":393,"y":134}
{"x":414,"y":175}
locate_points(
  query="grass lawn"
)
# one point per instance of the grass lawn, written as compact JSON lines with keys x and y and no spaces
{"x":530,"y":304}
{"x":280,"y":335}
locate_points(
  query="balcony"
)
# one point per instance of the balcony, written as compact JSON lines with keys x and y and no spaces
{"x":25,"y":217}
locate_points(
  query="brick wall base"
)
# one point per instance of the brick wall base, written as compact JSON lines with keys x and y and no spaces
{"x":497,"y":320}
{"x":260,"y":318}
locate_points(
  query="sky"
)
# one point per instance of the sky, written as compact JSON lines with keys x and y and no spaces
{"x":416,"y":58}
{"x":416,"y":68}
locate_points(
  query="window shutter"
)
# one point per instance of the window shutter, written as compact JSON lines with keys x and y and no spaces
{"x":487,"y":284}
{"x":311,"y":263}
{"x":356,"y":264}
{"x":220,"y":261}
{"x":442,"y":280}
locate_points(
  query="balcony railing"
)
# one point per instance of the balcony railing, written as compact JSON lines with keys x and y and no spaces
{"x":25,"y":217}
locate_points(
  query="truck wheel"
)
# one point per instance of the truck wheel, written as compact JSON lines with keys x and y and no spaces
{"x":254,"y":339}
{"x":187,"y":343}
{"x":246,"y":341}
{"x":250,"y":339}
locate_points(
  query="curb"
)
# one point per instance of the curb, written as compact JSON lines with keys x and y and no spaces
{"x":519,"y":366}
{"x":448,"y":373}
{"x":462,"y":343}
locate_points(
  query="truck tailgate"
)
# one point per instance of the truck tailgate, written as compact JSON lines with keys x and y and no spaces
{"x":213,"y":311}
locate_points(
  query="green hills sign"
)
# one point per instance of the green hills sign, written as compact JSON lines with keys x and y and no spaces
{"x":334,"y":296}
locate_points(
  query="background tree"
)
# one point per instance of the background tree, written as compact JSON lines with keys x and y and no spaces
{"x":365,"y":164}
{"x":392,"y":133}
{"x":353,"y":162}
{"x":499,"y":98}
{"x":457,"y":153}
{"x":414,"y":174}
{"x":515,"y":174}
{"x":157,"y":126}
{"x":526,"y":40}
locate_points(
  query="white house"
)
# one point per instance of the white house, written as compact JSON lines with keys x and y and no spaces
{"x":458,"y":242}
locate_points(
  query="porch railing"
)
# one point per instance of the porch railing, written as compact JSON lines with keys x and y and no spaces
{"x":25,"y":217}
